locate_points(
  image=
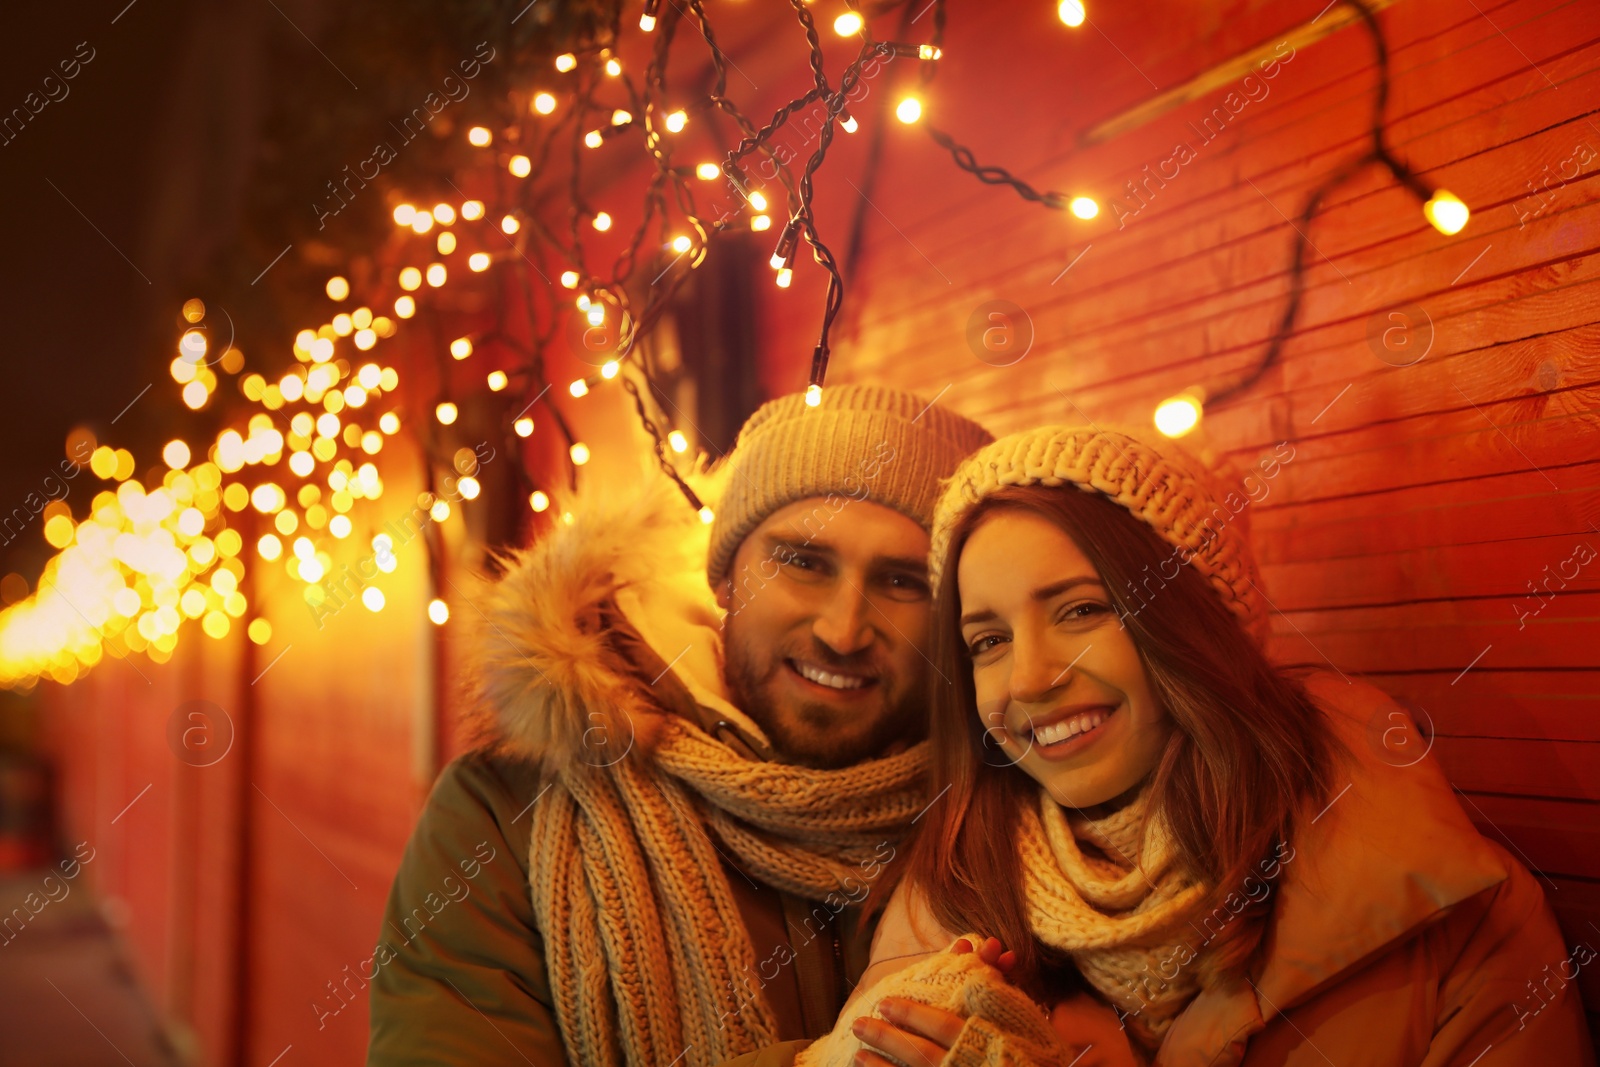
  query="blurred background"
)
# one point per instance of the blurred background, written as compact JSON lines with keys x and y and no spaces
{"x":255,"y":443}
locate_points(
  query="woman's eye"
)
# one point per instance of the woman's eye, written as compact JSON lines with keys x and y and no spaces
{"x":1087,"y":609}
{"x":983,"y":644}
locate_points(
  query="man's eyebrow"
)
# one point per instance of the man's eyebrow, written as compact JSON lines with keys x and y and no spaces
{"x":1040,"y":595}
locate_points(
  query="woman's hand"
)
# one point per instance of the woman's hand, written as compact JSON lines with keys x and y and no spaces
{"x":920,"y":1035}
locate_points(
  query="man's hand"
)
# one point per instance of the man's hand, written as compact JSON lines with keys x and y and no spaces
{"x":920,"y":1035}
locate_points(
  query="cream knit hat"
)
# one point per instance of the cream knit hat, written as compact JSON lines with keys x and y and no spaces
{"x":862,"y":441}
{"x":1160,"y":483}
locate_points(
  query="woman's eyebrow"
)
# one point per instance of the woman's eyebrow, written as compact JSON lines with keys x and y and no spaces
{"x":1041,"y":594}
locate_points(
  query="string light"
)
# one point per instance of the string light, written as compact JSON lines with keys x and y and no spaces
{"x":580,"y":453}
{"x":602,"y":222}
{"x":520,"y":166}
{"x":523,"y":427}
{"x":1071,"y":12}
{"x":1446,"y":212}
{"x":472,"y":210}
{"x":480,"y":136}
{"x":405,"y":306}
{"x":909,"y":110}
{"x":338,"y":288}
{"x":678,"y":442}
{"x":446,"y":413}
{"x":848,"y":24}
{"x":708,"y":172}
{"x":461,"y":347}
{"x":438,"y":612}
{"x":478,"y":262}
{"x":609,"y":369}
{"x":544,"y":103}
{"x":676,"y":121}
{"x":444,"y":213}
{"x":538,"y":500}
{"x":579,"y":388}
{"x":497,"y":380}
{"x":566,"y":61}
{"x":1084,"y":207}
{"x":613,"y":68}
{"x":446,"y":243}
{"x":436,"y":274}
{"x":1178,"y":415}
{"x":569,"y":279}
{"x":647,"y":21}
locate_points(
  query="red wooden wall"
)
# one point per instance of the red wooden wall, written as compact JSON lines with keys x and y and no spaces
{"x":1400,"y":542}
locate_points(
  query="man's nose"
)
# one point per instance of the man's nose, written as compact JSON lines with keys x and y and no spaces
{"x":845,"y":623}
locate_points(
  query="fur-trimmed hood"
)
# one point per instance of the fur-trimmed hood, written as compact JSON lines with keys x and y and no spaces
{"x":600,"y":625}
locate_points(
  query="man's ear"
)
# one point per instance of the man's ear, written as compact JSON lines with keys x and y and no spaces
{"x":725,"y":594}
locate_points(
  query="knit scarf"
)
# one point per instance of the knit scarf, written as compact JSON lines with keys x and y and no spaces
{"x":648,"y":957}
{"x":1116,"y":911}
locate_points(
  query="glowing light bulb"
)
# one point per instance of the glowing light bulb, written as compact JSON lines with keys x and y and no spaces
{"x":609,"y":369}
{"x":269,"y":547}
{"x":422,"y":221}
{"x":596,"y":313}
{"x":580,"y":453}
{"x":708,"y":172}
{"x":1084,"y":207}
{"x":176,"y":455}
{"x":760,"y":222}
{"x":410,"y":278}
{"x":446,"y":243}
{"x":566,"y":61}
{"x":444,"y":213}
{"x":472,"y":209}
{"x":707,"y":516}
{"x":681,"y":244}
{"x":908,"y":110}
{"x":621,"y":117}
{"x":594,"y":139}
{"x":404,"y":213}
{"x":436,"y":274}
{"x":928,"y":51}
{"x":389,"y":422}
{"x":405,"y":306}
{"x":478,"y":262}
{"x":602,"y":222}
{"x":813,"y":395}
{"x":848,"y":24}
{"x":1071,"y":12}
{"x":1177,"y":415}
{"x":569,"y":279}
{"x":371,"y":597}
{"x":510,"y":225}
{"x":613,"y":68}
{"x":520,"y":166}
{"x":445,"y":413}
{"x":758,"y":201}
{"x":338,"y":288}
{"x":647,"y":23}
{"x":461,"y":347}
{"x":497,"y":380}
{"x":579,"y":388}
{"x":785,"y":276}
{"x":538,"y":500}
{"x":480,"y":136}
{"x":544,"y":103}
{"x":678,"y":442}
{"x":523,"y":427}
{"x":848,"y":123}
{"x":676,"y":121}
{"x":438,"y":612}
{"x":1446,"y":211}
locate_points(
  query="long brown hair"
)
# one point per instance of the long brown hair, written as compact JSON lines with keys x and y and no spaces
{"x":1249,"y":750}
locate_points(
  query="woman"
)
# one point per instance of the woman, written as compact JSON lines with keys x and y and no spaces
{"x":1192,"y":856}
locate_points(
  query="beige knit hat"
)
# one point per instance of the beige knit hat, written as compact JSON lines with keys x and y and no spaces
{"x":862,"y":441}
{"x":1155,"y":479}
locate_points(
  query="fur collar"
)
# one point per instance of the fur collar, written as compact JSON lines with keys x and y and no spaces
{"x":547,"y":666}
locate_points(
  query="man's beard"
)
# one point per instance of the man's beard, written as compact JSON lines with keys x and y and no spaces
{"x":814,"y":733}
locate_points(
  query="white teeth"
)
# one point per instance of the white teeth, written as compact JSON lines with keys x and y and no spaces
{"x":832,"y":681}
{"x":1060,"y":731}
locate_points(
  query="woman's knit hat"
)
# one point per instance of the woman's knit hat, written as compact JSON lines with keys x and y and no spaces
{"x":1189,"y":505}
{"x":861,"y":442}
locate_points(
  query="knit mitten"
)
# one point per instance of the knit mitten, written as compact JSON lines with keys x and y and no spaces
{"x":1004,"y":1028}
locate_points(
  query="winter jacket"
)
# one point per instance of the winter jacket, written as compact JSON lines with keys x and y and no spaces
{"x":461,"y":971}
{"x":1400,"y":936}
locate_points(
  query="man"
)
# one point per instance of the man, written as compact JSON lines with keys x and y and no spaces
{"x":658,"y":855}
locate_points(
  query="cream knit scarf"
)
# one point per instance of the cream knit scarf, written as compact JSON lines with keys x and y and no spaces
{"x":1118,"y":912}
{"x":648,"y":958}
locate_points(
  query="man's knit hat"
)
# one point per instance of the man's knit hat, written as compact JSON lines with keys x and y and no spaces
{"x":864,"y":442}
{"x":1157,"y":481}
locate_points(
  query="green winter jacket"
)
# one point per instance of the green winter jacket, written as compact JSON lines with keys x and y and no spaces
{"x":585,"y":613}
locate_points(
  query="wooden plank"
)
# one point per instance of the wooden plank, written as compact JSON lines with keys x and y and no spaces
{"x":1553,"y":837}
{"x":1553,"y":769}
